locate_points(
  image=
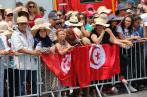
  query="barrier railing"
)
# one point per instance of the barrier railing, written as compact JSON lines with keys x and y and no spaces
{"x":29,"y":76}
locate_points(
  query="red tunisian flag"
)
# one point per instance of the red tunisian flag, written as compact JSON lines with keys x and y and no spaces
{"x":61,"y":66}
{"x":104,"y":61}
{"x":82,"y":65}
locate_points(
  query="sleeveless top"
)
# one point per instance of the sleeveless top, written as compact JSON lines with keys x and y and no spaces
{"x":105,"y":39}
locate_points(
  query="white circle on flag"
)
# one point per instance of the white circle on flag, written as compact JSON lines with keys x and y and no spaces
{"x":66,"y":62}
{"x":97,"y":56}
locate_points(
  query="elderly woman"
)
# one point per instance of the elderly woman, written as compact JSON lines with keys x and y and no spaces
{"x":40,"y":32}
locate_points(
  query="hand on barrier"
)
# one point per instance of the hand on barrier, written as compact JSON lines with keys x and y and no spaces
{"x":36,"y":52}
{"x":70,"y":48}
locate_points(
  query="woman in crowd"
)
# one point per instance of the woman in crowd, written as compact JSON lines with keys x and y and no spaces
{"x":33,"y":11}
{"x":125,"y":31}
{"x":100,"y":35}
{"x":42,"y":41}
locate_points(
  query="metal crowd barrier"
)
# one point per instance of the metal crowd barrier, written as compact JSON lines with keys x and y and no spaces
{"x":40,"y":81}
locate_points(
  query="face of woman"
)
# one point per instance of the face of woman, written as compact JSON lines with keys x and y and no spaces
{"x":32,"y":8}
{"x":99,"y":28}
{"x":114,"y":23}
{"x":42,"y":33}
{"x":61,"y":35}
{"x":137,"y":23}
{"x":128,"y":21}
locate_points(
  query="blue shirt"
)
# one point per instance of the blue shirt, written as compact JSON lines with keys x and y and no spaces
{"x":138,"y":32}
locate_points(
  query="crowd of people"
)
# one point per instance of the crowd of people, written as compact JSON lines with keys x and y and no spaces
{"x":24,"y":33}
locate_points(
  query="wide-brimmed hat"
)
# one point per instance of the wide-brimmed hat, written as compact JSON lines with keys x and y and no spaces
{"x":22,"y":19}
{"x":73,"y":21}
{"x":40,"y":24}
{"x":103,"y":9}
{"x":5,"y":29}
{"x":100,"y":21}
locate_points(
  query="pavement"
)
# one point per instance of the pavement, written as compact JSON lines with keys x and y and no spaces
{"x":137,"y":94}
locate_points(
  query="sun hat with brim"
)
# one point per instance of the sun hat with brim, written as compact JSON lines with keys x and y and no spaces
{"x":102,"y":22}
{"x":73,"y":21}
{"x":115,"y":18}
{"x":40,"y":24}
{"x":103,"y":9}
{"x":22,"y":19}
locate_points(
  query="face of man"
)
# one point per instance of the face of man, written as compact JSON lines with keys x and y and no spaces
{"x":52,"y":22}
{"x":22,"y":27}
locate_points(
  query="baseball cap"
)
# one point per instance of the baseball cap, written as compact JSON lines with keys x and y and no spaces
{"x":53,"y":15}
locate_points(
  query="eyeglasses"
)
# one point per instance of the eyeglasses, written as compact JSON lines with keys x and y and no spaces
{"x":31,"y":6}
{"x":59,"y":15}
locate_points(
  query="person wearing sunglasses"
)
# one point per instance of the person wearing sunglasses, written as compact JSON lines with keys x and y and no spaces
{"x":9,"y":17}
{"x":33,"y":11}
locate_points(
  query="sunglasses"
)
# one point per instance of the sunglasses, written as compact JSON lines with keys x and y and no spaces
{"x":11,"y":14}
{"x":31,"y":6}
{"x":59,"y":15}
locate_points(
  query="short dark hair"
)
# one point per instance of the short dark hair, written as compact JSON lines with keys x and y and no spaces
{"x":19,"y":4}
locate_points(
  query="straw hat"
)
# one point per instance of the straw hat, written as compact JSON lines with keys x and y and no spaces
{"x":73,"y":21}
{"x":22,"y":19}
{"x":40,"y":24}
{"x":102,"y":9}
{"x":100,"y":21}
{"x":5,"y":29}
